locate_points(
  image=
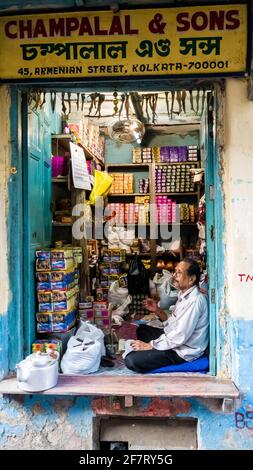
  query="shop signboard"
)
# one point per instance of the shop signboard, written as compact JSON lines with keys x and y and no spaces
{"x":151,"y":42}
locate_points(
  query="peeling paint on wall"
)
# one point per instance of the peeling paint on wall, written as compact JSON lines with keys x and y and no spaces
{"x":150,"y":407}
{"x":46,"y":423}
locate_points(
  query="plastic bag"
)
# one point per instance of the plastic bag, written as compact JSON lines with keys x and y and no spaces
{"x":138,"y":278}
{"x":121,"y":309}
{"x":87,"y":330}
{"x":116,"y":294}
{"x":84,"y":351}
{"x":167,"y":293}
{"x":102,"y":185}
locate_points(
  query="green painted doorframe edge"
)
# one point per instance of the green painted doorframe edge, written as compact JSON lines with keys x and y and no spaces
{"x":15,"y":319}
{"x":16,"y":227}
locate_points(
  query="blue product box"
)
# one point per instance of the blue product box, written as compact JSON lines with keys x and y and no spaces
{"x":43,"y":276}
{"x":43,"y":286}
{"x":63,"y":321}
{"x":43,"y":254}
{"x":45,"y":307}
{"x":44,"y":322}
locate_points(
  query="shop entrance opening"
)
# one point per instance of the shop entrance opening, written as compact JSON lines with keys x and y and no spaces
{"x":134,"y":190}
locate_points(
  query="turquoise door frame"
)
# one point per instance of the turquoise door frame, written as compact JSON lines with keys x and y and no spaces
{"x":18,"y":279}
{"x":12,"y":321}
{"x":208,"y":156}
{"x":36,"y":199}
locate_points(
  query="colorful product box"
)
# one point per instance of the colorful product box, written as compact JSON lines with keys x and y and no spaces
{"x":100,"y":305}
{"x":64,"y":253}
{"x":43,"y":264}
{"x":86,"y":314}
{"x":102,"y":313}
{"x":59,"y":296}
{"x":43,"y":345}
{"x":43,"y":254}
{"x":45,"y":307}
{"x":44,"y":296}
{"x":66,"y":304}
{"x":85,"y":305}
{"x":62,"y":264}
{"x":63,"y":321}
{"x":58,"y":321}
{"x":78,"y":255}
{"x":103,"y":322}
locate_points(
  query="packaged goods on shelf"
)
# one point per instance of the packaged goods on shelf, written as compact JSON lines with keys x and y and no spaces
{"x":75,"y":124}
{"x":57,"y":291}
{"x":156,"y":154}
{"x":147,"y":155}
{"x":102,"y":323}
{"x":59,"y":165}
{"x":59,"y":254}
{"x":101,"y":314}
{"x":137,"y":156}
{"x":57,"y":321}
{"x":166,"y":154}
{"x":86,"y":314}
{"x":166,"y":210}
{"x":100,"y":309}
{"x":77,"y":254}
{"x":117,"y":186}
{"x":43,"y":345}
{"x":174,"y":178}
{"x":187,"y":213}
{"x":43,"y":264}
{"x":192,"y":153}
{"x":143,"y":185}
{"x":130,"y":213}
{"x":123,"y":183}
{"x":128,"y":183}
{"x":113,"y":255}
{"x":85,"y":311}
{"x":57,"y":300}
{"x":142,"y":199}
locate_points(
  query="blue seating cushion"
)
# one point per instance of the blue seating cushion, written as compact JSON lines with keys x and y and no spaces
{"x":198,"y":365}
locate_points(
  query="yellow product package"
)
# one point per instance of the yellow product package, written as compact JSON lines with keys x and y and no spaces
{"x":102,"y":185}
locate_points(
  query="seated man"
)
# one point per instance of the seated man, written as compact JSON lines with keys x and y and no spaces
{"x":184,"y":336}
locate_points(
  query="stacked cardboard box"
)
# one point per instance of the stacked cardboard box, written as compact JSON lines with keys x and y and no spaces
{"x":57,"y":288}
{"x":122,"y":183}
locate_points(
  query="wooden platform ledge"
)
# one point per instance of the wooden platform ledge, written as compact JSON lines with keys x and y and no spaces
{"x":137,"y":386}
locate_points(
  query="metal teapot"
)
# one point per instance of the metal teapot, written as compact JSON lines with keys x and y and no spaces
{"x":38,"y":372}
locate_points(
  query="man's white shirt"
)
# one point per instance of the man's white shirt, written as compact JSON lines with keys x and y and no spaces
{"x":187,"y":329}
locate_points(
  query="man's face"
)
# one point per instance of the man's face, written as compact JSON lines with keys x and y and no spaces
{"x":181,"y":280}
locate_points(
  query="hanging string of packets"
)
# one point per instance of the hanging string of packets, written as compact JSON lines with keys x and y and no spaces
{"x":177,"y":103}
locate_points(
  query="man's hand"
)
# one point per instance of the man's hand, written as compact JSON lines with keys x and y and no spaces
{"x":150,"y":305}
{"x":140,"y":345}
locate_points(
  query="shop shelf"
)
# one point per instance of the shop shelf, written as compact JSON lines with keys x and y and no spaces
{"x":60,"y":179}
{"x":190,"y":193}
{"x":129,"y":194}
{"x":61,"y":224}
{"x":128,"y":165}
{"x":88,"y":153}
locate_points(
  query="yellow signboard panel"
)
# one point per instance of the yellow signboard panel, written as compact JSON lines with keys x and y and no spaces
{"x":202,"y":40}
